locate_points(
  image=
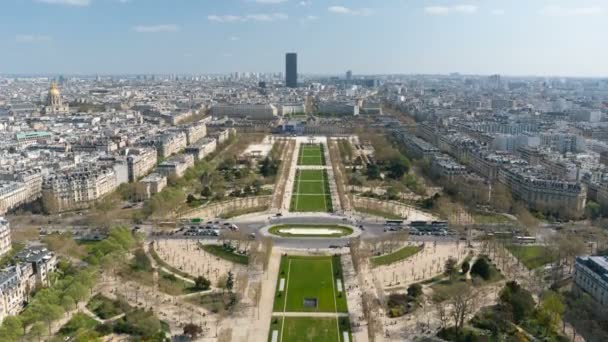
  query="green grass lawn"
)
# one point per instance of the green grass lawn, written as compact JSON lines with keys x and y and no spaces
{"x":78,"y":323}
{"x":104,"y":307}
{"x":311,"y":155}
{"x":306,"y":329}
{"x":275,"y":230}
{"x":532,"y":256}
{"x":221,"y":252}
{"x":310,"y":277}
{"x":170,"y":284}
{"x":378,"y":213}
{"x":311,"y":192}
{"x":484,"y":218}
{"x":398,"y":255}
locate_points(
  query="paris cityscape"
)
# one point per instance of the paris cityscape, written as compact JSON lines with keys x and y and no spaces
{"x":368,"y":186}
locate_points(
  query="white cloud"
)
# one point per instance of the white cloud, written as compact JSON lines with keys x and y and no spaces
{"x":32,"y":38}
{"x":249,"y":17}
{"x":437,"y":10}
{"x":465,"y":8}
{"x":156,"y":28}
{"x":305,"y":3}
{"x":311,"y":17}
{"x":270,"y":1}
{"x":445,"y":10}
{"x":498,"y":11}
{"x":81,"y":3}
{"x":224,"y":18}
{"x":349,"y":11}
{"x":557,"y":11}
{"x":234,"y":38}
{"x":267,"y":17}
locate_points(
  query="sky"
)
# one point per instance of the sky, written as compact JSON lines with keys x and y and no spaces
{"x":508,"y":37}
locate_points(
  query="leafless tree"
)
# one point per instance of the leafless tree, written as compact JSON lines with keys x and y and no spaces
{"x":463,"y":303}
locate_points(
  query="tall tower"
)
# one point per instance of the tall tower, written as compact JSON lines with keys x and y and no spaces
{"x":291,"y":70}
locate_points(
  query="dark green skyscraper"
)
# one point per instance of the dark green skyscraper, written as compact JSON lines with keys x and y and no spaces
{"x":291,"y":70}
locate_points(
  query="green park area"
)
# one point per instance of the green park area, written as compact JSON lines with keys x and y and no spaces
{"x":308,"y":284}
{"x":398,"y":255}
{"x":311,"y":192}
{"x":532,"y":256}
{"x":311,"y":154}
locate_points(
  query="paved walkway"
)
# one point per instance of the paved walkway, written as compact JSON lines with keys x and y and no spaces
{"x":311,"y":314}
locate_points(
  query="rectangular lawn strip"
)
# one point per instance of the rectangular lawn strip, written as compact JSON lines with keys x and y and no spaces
{"x":311,"y":192}
{"x":276,"y":323}
{"x":341,"y":302}
{"x":398,"y":255}
{"x":311,"y":155}
{"x":310,"y":278}
{"x":221,"y":252}
{"x":299,"y":284}
{"x":532,"y":256}
{"x":308,"y":329}
{"x":311,"y":187}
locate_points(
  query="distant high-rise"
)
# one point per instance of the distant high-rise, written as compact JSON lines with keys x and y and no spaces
{"x":291,"y":70}
{"x":349,"y":75}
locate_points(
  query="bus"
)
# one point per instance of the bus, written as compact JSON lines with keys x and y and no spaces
{"x":394,"y":223}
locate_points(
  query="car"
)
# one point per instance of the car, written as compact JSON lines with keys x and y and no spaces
{"x":252,"y":236}
{"x":334,"y":246}
{"x":278,"y":215}
{"x":227,"y":224}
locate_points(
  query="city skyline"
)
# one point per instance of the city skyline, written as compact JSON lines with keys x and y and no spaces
{"x":519,"y":38}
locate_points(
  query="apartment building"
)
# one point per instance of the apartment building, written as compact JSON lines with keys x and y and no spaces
{"x":202,"y":148}
{"x":140,"y":161}
{"x":12,"y":195}
{"x":77,"y":188}
{"x":242,"y":110}
{"x":152,"y":184}
{"x":5,"y":236}
{"x":175,"y":166}
{"x":554,"y":196}
{"x":194,"y":132}
{"x":591,"y":276}
{"x":170,"y":143}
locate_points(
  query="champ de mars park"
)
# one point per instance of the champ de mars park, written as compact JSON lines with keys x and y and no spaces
{"x":328,"y":239}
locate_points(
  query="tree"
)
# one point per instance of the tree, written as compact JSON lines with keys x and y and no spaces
{"x":372,"y":172}
{"x":398,"y":166}
{"x":37,"y":330}
{"x":192,"y":330}
{"x":414,"y":290}
{"x":463,"y":303}
{"x":450,"y":268}
{"x":230,"y":281}
{"x":481,"y":268}
{"x":553,"y":307}
{"x":206,"y":192}
{"x":12,"y":328}
{"x":517,"y":300}
{"x":201,"y":283}
{"x":465,"y":267}
{"x":593,"y":210}
{"x":190,"y":198}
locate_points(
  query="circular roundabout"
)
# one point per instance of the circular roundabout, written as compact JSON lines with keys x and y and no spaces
{"x":294,"y":230}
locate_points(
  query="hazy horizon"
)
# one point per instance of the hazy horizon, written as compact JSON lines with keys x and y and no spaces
{"x":544,"y":38}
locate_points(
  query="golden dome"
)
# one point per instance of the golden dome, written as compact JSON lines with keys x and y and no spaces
{"x":53,"y":91}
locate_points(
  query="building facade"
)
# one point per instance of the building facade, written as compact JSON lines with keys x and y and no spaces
{"x":291,"y":70}
{"x":591,"y":276}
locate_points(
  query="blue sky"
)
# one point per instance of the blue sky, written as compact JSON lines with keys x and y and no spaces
{"x":511,"y":37}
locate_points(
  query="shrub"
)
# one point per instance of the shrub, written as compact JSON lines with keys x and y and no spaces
{"x":481,"y":268}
